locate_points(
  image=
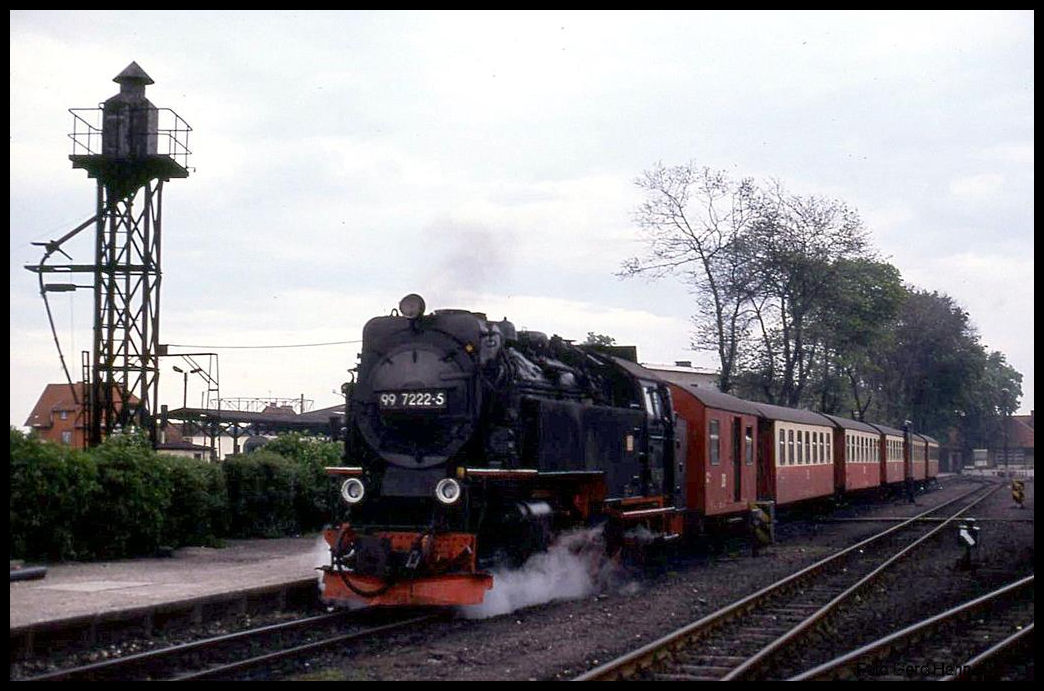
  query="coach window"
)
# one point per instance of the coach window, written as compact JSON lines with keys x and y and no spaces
{"x":791,"y":458}
{"x":808,"y":447}
{"x":800,"y":442}
{"x":714,"y":443}
{"x":748,"y":439}
{"x":815,"y":447}
{"x":782,"y":447}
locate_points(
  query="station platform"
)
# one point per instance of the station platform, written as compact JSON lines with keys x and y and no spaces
{"x":191,"y":576}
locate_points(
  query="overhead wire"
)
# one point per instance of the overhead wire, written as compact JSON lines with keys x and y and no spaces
{"x":291,"y":345}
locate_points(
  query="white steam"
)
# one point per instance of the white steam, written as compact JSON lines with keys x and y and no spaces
{"x":320,"y":557}
{"x":575,"y":566}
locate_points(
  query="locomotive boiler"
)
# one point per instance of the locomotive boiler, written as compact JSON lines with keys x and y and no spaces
{"x":470,"y":445}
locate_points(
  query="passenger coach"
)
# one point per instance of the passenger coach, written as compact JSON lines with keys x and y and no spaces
{"x":796,"y":460}
{"x":918,"y":458}
{"x":716,"y":439}
{"x":892,"y":457}
{"x":931,"y":457}
{"x":857,"y":454}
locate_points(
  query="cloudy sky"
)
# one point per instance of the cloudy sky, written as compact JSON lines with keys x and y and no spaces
{"x":486,"y":160}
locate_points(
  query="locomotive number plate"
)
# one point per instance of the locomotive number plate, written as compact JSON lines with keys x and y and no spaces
{"x":431,"y":399}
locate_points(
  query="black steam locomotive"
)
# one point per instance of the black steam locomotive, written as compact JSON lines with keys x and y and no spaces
{"x":469,"y":444}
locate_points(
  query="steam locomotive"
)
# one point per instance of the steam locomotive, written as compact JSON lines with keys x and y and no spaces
{"x":469,"y":444}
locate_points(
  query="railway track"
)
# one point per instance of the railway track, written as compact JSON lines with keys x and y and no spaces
{"x":949,"y":645}
{"x":230,"y":654}
{"x":741,"y":641}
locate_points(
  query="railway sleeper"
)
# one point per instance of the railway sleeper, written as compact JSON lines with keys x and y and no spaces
{"x":682,"y":677}
{"x":716,"y":671}
{"x":792,"y":610}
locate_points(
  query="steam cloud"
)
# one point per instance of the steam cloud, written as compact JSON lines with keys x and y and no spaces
{"x":573,"y":567}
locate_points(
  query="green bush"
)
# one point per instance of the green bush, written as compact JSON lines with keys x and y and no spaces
{"x":261,"y":487}
{"x":127,"y":516}
{"x":315,"y":497}
{"x":198,"y":510}
{"x":121,"y":499}
{"x":51,"y":490}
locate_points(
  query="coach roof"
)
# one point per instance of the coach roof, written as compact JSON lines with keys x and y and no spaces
{"x":852,"y":424}
{"x":712,"y":398}
{"x":800,"y":416}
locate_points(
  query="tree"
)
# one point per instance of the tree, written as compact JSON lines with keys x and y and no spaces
{"x":988,"y":399}
{"x":599,"y":339}
{"x":694,"y":220}
{"x":931,"y":364}
{"x":796,"y":249}
{"x":852,"y":325}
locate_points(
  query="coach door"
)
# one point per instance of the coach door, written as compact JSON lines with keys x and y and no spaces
{"x":737,"y":458}
{"x":681,"y":453}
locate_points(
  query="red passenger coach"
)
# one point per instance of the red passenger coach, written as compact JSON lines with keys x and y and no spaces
{"x":717,"y":438}
{"x":918,"y":458}
{"x":796,"y":460}
{"x":857,"y":454}
{"x":931,"y":456}
{"x":892,"y":463}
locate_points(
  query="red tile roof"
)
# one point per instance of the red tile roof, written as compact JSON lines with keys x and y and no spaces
{"x":55,"y":399}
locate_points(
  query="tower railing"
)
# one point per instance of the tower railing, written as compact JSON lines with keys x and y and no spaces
{"x":171,"y":135}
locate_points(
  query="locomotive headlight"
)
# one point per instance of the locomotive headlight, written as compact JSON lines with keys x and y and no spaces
{"x":447,"y":491}
{"x":411,"y":306}
{"x":353,"y":490}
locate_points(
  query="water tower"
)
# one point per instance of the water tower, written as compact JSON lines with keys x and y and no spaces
{"x":131,"y":148}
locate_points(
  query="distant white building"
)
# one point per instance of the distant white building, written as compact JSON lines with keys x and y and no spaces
{"x":683,"y":373}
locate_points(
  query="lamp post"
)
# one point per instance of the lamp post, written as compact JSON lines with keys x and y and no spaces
{"x":960,"y":440}
{"x":908,"y":460}
{"x":184,"y":374}
{"x":184,"y":393}
{"x":1005,"y":392}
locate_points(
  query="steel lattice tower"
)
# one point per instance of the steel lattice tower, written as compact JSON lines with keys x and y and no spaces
{"x":124,"y":147}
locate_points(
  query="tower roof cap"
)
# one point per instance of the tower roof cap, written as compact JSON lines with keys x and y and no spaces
{"x":133,"y":73}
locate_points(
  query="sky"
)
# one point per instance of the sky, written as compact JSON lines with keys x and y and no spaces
{"x":487,"y":161}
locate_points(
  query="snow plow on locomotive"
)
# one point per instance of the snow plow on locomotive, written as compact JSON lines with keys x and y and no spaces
{"x":470,"y":445}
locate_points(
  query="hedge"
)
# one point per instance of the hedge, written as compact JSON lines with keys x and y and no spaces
{"x":121,"y":499}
